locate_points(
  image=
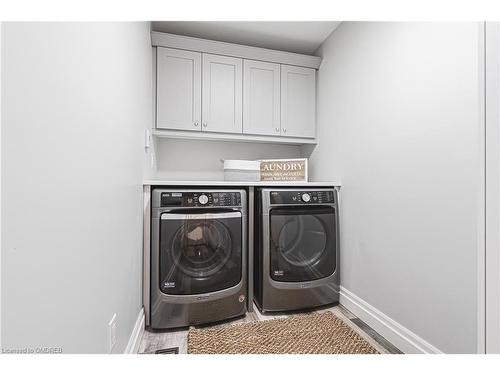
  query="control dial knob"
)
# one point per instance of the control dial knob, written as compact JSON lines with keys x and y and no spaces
{"x":203,"y":199}
{"x":305,"y":197}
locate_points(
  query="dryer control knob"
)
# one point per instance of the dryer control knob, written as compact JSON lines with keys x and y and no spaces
{"x":203,"y":199}
{"x":306,"y":197}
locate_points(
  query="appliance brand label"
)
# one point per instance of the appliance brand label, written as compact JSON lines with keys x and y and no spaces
{"x":279,"y":273}
{"x":169,"y":284}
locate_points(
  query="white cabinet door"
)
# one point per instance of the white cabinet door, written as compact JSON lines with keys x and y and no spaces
{"x":261,"y":98}
{"x":298,"y":102}
{"x":178,"y":89}
{"x":222,"y":94}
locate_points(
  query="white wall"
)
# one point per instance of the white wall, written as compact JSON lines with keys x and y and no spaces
{"x":492,"y":101}
{"x":1,"y":28}
{"x":399,"y":116}
{"x":201,"y":160}
{"x":75,"y":99}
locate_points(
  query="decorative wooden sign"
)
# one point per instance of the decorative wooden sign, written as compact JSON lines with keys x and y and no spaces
{"x":283,"y":170}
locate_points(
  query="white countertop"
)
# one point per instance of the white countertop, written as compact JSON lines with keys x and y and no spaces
{"x":238,"y":183}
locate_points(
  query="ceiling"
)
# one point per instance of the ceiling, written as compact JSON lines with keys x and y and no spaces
{"x":298,"y":37}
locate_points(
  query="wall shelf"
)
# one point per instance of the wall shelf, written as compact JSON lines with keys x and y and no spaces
{"x":206,"y":136}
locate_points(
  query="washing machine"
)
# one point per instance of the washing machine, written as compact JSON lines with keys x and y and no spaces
{"x":198,"y":270}
{"x":296,"y":248}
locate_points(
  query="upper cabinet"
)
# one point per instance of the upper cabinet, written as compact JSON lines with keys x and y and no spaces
{"x":178,"y":89}
{"x":298,"y":102}
{"x":213,"y":90}
{"x":261,"y":98}
{"x":222,"y":94}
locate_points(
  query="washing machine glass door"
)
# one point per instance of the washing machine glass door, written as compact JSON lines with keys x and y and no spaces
{"x":302,"y":243}
{"x":200,"y":252}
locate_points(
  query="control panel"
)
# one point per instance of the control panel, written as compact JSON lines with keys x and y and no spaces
{"x":302,"y":197}
{"x":200,"y":199}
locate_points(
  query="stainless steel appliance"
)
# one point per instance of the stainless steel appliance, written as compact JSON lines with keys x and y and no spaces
{"x":296,"y":247}
{"x":199,"y":256}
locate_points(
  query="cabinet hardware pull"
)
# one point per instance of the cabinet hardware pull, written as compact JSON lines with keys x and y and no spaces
{"x":277,"y":129}
{"x":196,"y":123}
{"x":204,"y":124}
{"x":284,"y":130}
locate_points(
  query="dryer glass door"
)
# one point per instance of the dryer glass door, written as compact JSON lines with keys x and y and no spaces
{"x":200,"y":252}
{"x":302,"y":243}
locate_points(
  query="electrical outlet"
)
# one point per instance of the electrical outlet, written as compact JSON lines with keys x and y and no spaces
{"x":112,"y":333}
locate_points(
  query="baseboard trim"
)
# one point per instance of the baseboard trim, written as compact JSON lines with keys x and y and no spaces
{"x":135,"y":337}
{"x":404,"y":339}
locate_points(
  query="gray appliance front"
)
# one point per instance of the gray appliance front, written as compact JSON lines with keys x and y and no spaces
{"x":296,"y":295}
{"x":199,"y":307}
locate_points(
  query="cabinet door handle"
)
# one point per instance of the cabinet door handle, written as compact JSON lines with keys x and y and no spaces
{"x":277,"y":129}
{"x":204,"y":124}
{"x":284,"y":130}
{"x":196,"y":123}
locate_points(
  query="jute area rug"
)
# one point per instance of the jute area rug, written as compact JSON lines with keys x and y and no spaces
{"x":321,"y":333}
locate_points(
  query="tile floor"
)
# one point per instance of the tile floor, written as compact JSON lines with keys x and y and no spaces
{"x":154,"y":341}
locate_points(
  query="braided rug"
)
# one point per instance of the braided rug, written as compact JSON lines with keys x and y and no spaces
{"x":316,"y":333}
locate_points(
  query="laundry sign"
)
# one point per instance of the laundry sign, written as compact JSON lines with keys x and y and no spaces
{"x":283,"y":170}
